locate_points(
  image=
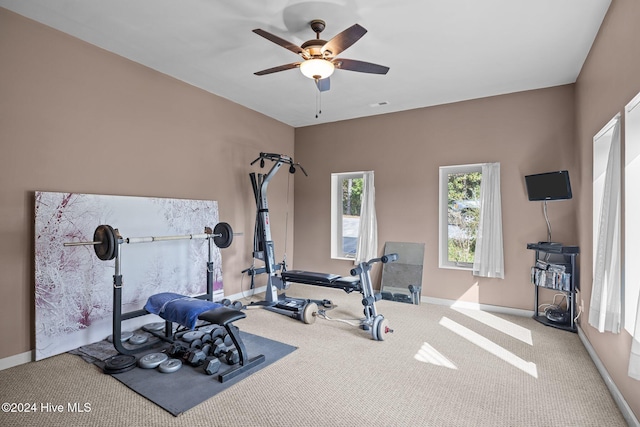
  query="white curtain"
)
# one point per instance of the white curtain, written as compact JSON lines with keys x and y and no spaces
{"x":368,"y":233}
{"x":634,"y":359}
{"x":604,"y":311}
{"x":489,"y":255}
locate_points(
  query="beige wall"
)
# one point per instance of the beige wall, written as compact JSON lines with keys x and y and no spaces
{"x":609,"y":79}
{"x":76,"y":118}
{"x":526,"y":132}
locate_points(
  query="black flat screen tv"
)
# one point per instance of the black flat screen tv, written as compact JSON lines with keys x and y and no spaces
{"x":548,"y":186}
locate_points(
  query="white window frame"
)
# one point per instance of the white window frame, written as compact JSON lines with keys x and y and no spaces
{"x":336,"y":213}
{"x":631,"y":276}
{"x":443,"y":197}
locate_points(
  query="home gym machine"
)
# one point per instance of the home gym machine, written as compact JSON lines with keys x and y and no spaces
{"x":305,"y":310}
{"x":263,"y":247}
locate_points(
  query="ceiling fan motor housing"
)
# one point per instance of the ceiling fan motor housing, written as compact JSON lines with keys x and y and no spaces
{"x":314,"y":48}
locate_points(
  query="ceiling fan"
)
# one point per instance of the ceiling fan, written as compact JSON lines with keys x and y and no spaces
{"x":319,"y":56}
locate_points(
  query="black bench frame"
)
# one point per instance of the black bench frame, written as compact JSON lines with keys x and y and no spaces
{"x":222,"y":316}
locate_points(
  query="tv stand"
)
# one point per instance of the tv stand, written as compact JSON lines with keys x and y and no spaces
{"x":555,"y":268}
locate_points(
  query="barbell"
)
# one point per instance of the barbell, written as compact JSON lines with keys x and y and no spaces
{"x":105,"y":239}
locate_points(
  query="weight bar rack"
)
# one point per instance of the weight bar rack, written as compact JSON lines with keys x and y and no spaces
{"x":107,"y":243}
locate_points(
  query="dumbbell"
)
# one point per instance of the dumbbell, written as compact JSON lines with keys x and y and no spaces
{"x":219,"y":349}
{"x":218,"y":332}
{"x":227,"y":340}
{"x":177,"y":350}
{"x":206,"y":349}
{"x":213,"y":366}
{"x":195,"y":357}
{"x":238,"y":305}
{"x":231,"y":356}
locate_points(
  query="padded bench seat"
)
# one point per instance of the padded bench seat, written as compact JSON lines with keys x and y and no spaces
{"x":347,"y":283}
{"x":179,"y":308}
{"x":187,"y":310}
{"x":222,"y":316}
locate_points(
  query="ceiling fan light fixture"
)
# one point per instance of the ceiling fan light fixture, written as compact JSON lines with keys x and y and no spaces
{"x":317,"y":69}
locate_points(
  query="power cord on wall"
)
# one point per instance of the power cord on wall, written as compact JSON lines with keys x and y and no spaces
{"x":244,"y":296}
{"x":575,"y":320}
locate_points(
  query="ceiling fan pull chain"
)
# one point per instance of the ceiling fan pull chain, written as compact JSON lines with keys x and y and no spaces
{"x":318,"y":103}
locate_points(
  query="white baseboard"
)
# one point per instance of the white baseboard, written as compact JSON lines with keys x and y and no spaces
{"x":626,"y":411}
{"x":15,"y":360}
{"x":477,"y":306}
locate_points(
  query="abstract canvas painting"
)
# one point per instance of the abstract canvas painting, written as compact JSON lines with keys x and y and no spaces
{"x":74,"y":289}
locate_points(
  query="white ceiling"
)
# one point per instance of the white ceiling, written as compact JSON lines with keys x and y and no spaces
{"x":438,"y":51}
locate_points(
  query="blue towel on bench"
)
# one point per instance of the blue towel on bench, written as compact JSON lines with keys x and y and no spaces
{"x":179,"y":308}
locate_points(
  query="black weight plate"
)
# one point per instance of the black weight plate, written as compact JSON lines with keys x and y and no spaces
{"x":225,"y":235}
{"x":119,"y":363}
{"x":106,"y":249}
{"x":117,"y":371}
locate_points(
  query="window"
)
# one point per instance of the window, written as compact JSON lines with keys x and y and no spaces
{"x":632,"y":213}
{"x":459,"y":214}
{"x":346,"y":201}
{"x":601,"y":147}
{"x":605,"y":306}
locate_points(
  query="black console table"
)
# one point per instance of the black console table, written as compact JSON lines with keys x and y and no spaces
{"x":555,"y":268}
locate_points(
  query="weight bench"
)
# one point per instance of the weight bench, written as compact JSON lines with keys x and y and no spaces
{"x":347,"y":284}
{"x":186,"y":311}
{"x":360,"y":281}
{"x":306,"y":310}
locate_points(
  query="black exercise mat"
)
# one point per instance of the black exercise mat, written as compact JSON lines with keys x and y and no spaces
{"x":180,"y":391}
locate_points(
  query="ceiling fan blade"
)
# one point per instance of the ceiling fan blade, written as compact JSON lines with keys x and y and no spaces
{"x":323,"y":84}
{"x":278,"y":68}
{"x":343,"y":40}
{"x":282,"y":42}
{"x":360,"y":66}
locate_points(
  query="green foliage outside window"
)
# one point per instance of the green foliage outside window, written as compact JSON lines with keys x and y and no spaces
{"x":352,"y":196}
{"x":463,"y":214}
